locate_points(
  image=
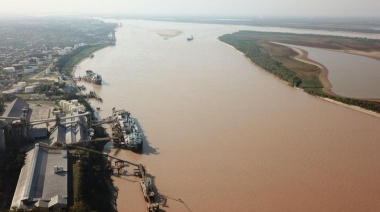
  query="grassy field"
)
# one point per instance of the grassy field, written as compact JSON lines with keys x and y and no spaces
{"x":308,"y":73}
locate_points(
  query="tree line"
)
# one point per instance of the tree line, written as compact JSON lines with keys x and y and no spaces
{"x":253,"y":51}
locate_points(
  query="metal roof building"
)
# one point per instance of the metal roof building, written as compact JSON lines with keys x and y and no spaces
{"x":15,"y":109}
{"x":43,"y":177}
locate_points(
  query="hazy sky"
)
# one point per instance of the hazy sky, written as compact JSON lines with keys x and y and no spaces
{"x":257,"y":8}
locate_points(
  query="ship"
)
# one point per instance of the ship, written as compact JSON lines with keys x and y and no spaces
{"x":130,"y":136}
{"x":93,"y":77}
{"x":190,"y":38}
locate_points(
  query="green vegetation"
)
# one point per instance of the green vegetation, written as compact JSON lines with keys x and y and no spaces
{"x":255,"y":52}
{"x":92,"y":187}
{"x":66,"y":63}
{"x":11,"y":163}
{"x":278,"y":59}
{"x":369,"y":105}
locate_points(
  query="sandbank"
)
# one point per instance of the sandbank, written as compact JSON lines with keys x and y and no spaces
{"x":302,"y":57}
{"x":357,"y":108}
{"x":168,"y":33}
{"x":373,"y":54}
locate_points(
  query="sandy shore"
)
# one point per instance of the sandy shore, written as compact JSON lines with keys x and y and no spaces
{"x":374,"y":54}
{"x":357,"y":108}
{"x":302,"y":56}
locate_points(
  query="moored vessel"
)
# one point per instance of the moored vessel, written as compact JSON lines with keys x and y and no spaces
{"x":126,"y":129}
{"x":93,"y":77}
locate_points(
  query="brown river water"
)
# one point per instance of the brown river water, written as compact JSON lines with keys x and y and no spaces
{"x":224,"y":135}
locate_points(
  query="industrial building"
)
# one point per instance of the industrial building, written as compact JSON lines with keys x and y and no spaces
{"x":43,"y":180}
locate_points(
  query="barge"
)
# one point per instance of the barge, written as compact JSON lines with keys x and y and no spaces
{"x":93,"y":77}
{"x":126,"y":131}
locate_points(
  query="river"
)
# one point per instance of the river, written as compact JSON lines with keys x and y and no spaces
{"x":224,"y":135}
{"x":350,"y":75}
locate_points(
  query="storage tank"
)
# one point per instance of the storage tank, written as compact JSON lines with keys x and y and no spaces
{"x":74,"y":102}
{"x":10,"y":69}
{"x":61,"y":103}
{"x":23,"y":84}
{"x":24,"y":62}
{"x":74,"y":109}
{"x":64,"y":105}
{"x":67,"y":107}
{"x":19,"y":88}
{"x":29,"y":89}
{"x":29,"y":70}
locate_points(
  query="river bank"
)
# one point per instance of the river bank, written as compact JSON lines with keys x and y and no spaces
{"x":323,"y":76}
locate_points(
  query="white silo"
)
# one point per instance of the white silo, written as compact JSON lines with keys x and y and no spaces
{"x":22,"y":84}
{"x":10,"y":69}
{"x":74,"y":102}
{"x":61,"y":103}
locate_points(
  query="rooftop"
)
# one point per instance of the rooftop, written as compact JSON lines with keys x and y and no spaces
{"x":43,"y":177}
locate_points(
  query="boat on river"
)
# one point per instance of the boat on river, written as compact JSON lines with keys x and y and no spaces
{"x":126,"y":129}
{"x":93,"y":77}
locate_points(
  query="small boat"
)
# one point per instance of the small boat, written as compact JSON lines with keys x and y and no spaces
{"x":190,"y":38}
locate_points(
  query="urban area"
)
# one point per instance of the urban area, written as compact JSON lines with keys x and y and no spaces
{"x":51,"y":144}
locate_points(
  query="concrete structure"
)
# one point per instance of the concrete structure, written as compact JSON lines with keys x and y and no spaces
{"x":43,"y":180}
{"x":22,"y":84}
{"x":15,"y":110}
{"x":10,"y":70}
{"x":29,"y":89}
{"x":41,"y":62}
{"x":9,"y":94}
{"x":70,"y":130}
{"x":29,"y":70}
{"x":24,"y":62}
{"x":18,"y":88}
{"x":17,"y":66}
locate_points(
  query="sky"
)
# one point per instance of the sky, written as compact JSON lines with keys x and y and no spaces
{"x":226,"y":8}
